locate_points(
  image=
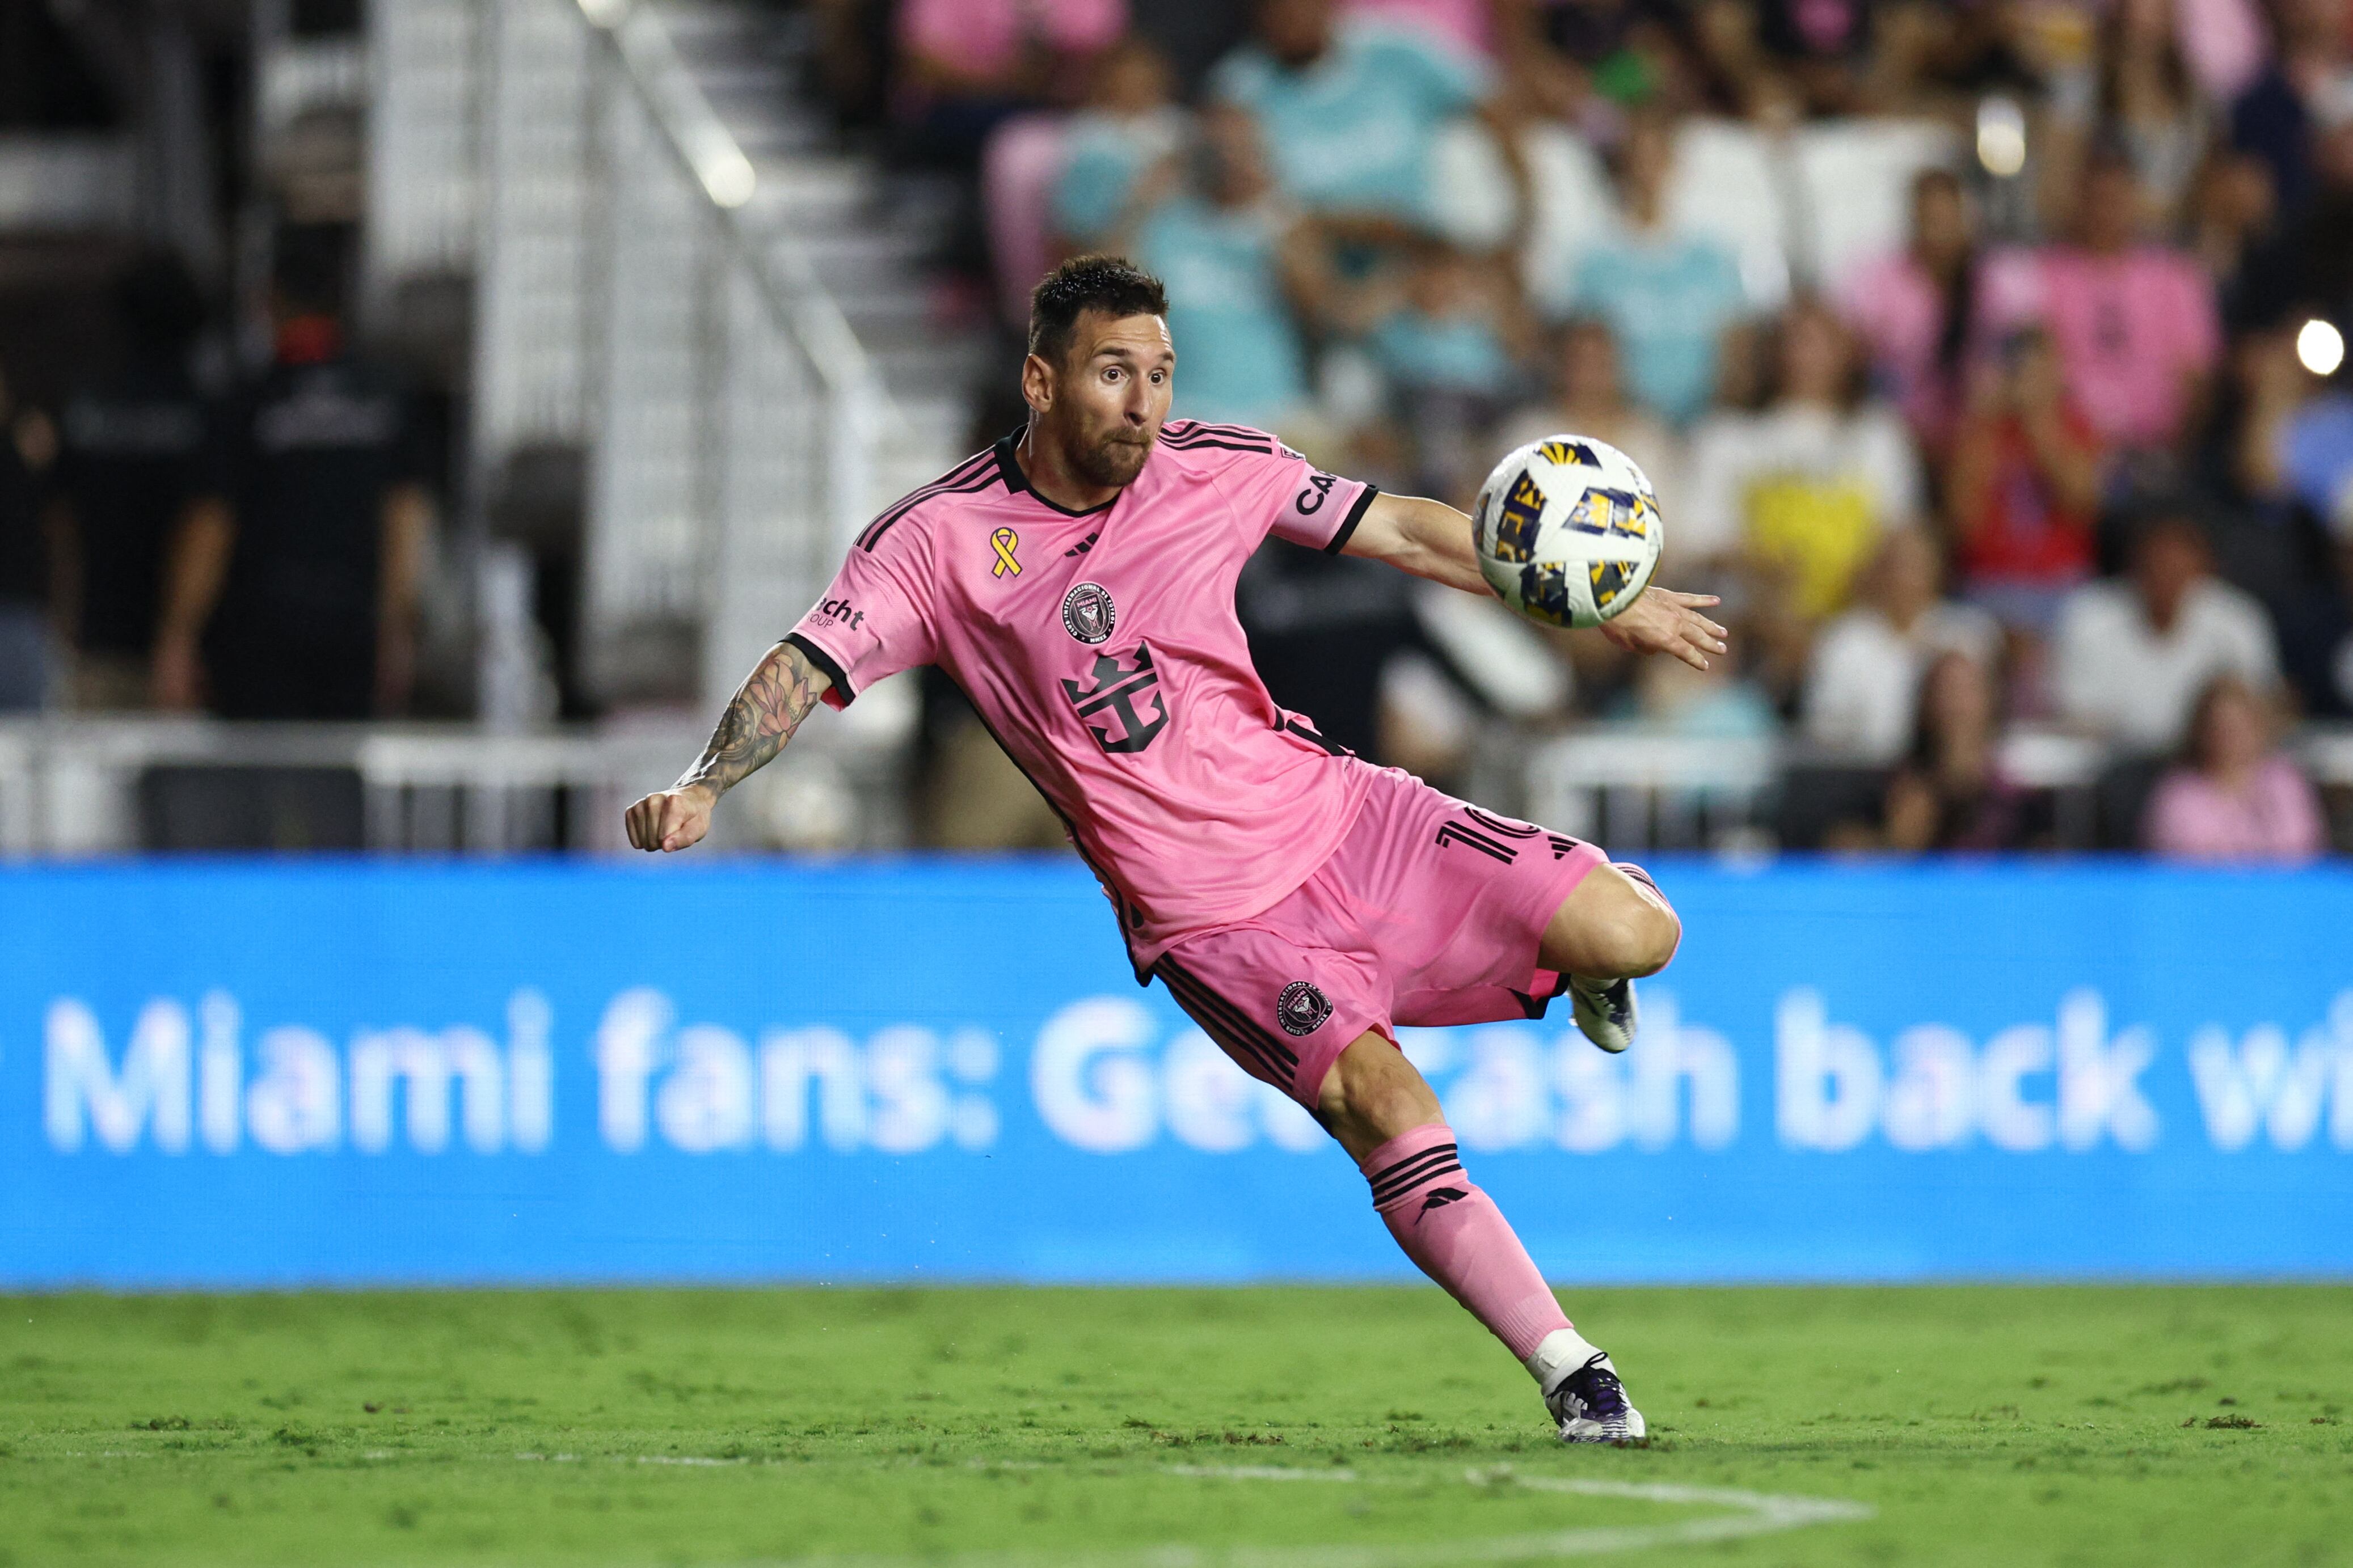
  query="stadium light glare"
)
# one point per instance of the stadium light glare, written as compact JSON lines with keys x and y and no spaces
{"x":2002,"y":136}
{"x":2320,"y":346}
{"x":608,"y":14}
{"x":727,"y":176}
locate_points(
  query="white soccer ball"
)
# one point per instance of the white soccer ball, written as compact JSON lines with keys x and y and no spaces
{"x":1567,"y":531}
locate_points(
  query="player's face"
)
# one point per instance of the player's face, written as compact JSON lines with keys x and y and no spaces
{"x":1110,"y":395}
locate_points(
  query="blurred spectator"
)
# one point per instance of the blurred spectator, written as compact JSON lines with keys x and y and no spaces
{"x":2134,"y":323}
{"x":1464,"y":27}
{"x":1521,"y":178}
{"x":295,"y":589}
{"x":1718,"y":703}
{"x":2131,"y":655}
{"x":2273,"y":459}
{"x":972,"y":797}
{"x":2233,"y":796}
{"x":2149,"y":105}
{"x":2224,"y":44}
{"x":968,"y":64}
{"x":1131,"y":122}
{"x":1917,"y":309}
{"x":1668,"y":297}
{"x":135,"y":454}
{"x":1446,"y":332}
{"x":2313,"y":450}
{"x":2310,"y":75}
{"x":1589,"y":400}
{"x":2291,"y":441}
{"x":1803,"y":489}
{"x":2307,"y":269}
{"x":1863,"y":685}
{"x":1348,"y":109}
{"x":1951,"y":792}
{"x":2232,"y":213}
{"x":25,"y":443}
{"x":1236,"y":265}
{"x":1630,"y":50}
{"x":1323,"y":629}
{"x":2023,"y":489}
{"x":1441,"y":347}
{"x":1824,"y":47}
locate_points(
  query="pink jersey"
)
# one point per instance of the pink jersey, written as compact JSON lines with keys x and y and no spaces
{"x":1102,"y":650}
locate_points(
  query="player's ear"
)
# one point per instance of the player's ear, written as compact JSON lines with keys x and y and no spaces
{"x":1037,"y":383}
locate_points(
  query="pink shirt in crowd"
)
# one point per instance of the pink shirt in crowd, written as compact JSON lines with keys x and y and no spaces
{"x":1466,"y":25}
{"x":983,"y":38}
{"x":1900,"y":312}
{"x":2277,"y":817}
{"x":1103,"y":649}
{"x":2132,"y":330}
{"x":2223,"y":43}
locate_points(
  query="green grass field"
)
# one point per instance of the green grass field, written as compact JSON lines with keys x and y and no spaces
{"x":1264,"y":1428}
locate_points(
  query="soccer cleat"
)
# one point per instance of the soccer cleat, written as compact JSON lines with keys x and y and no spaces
{"x":1605,"y":1011}
{"x":1591,"y":1406}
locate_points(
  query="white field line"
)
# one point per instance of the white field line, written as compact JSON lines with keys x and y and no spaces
{"x":1748,"y":1513}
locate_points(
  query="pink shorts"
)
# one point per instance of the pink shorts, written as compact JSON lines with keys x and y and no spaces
{"x":1430,"y":912}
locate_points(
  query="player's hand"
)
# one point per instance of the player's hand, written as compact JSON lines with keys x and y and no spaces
{"x":1664,"y":621}
{"x":672,"y":818}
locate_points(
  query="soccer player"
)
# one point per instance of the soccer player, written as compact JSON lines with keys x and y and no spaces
{"x":1076,"y":580}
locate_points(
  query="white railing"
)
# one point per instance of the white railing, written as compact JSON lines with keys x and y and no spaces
{"x":1621,"y":787}
{"x":639,"y":299}
{"x":64,"y":182}
{"x":75,"y":787}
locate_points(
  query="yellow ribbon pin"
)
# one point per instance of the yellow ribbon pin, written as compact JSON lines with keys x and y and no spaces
{"x":1005,"y":538}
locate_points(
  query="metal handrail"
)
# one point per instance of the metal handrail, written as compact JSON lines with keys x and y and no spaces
{"x":709,"y":152}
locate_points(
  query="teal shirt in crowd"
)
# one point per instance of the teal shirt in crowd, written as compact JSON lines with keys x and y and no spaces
{"x":1460,"y":354}
{"x":1239,"y":357}
{"x":1103,"y":158}
{"x":1668,"y":302}
{"x":1352,"y":132}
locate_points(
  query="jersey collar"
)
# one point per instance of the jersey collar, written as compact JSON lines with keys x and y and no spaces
{"x":1009,"y":468}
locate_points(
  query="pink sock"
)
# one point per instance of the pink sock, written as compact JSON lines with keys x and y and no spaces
{"x":1458,"y":1237}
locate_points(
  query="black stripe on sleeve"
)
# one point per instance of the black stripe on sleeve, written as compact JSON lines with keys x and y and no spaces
{"x":825,"y":666}
{"x":1356,"y":515}
{"x":883,"y":524}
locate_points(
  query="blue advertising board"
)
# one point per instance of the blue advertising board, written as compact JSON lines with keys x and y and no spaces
{"x":249,"y":1074}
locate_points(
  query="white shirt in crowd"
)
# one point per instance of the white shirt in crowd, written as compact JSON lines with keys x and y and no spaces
{"x":2115,"y":675}
{"x":1732,"y":452}
{"x":1862,"y":684}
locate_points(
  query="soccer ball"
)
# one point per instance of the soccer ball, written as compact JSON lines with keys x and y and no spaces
{"x":1567,"y":531}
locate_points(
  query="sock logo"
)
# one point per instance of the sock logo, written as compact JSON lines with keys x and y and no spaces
{"x":1439,"y":1199}
{"x":1302,"y":1009}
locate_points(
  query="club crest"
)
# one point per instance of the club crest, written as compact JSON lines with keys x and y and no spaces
{"x":1303,"y":1008}
{"x":1088,"y":613}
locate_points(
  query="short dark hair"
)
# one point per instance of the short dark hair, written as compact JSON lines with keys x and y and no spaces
{"x":1111,"y":284}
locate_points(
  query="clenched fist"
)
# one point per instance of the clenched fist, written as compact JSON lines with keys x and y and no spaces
{"x":672,"y":819}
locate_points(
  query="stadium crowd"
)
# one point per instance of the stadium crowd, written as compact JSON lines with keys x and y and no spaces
{"x":1985,"y":354}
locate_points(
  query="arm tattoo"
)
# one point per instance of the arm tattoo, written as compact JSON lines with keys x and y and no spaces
{"x":767,"y":707}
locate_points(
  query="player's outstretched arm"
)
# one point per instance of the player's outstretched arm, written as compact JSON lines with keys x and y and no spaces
{"x":765,"y":710}
{"x":1427,"y":538}
{"x":1431,"y":539}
